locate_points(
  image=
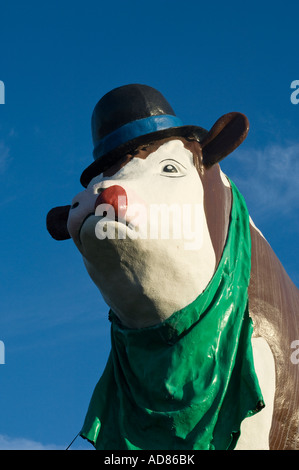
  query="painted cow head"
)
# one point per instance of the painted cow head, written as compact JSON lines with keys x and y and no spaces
{"x":146,"y":220}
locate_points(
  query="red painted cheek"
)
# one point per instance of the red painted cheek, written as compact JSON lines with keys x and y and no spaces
{"x":116,"y":197}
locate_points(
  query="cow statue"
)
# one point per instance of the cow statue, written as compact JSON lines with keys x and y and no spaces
{"x":203,"y":315}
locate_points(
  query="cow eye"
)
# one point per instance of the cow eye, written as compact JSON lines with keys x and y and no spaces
{"x":170,"y":169}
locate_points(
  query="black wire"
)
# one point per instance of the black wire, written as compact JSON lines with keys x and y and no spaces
{"x":72,"y":441}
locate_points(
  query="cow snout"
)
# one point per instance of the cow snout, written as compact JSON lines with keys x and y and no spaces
{"x":116,"y":197}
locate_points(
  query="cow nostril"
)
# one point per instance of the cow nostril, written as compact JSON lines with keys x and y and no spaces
{"x":76,"y":204}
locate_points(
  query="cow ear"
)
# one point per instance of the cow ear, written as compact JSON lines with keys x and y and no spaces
{"x":57,"y":222}
{"x":224,"y":137}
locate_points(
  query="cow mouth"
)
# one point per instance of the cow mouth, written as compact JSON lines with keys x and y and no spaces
{"x":98,"y":217}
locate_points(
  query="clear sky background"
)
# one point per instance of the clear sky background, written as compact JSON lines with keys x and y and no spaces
{"x":57,"y":60}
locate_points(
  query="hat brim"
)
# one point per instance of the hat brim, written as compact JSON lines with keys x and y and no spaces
{"x":105,"y":161}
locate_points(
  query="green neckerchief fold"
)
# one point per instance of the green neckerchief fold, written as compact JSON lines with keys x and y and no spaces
{"x":188,"y":382}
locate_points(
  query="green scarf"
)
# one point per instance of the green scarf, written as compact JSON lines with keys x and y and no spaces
{"x":188,"y":382}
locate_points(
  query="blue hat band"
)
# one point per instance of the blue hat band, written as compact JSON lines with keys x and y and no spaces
{"x":134,"y":129}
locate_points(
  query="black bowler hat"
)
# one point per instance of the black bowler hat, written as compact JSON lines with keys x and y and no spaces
{"x":127,"y":117}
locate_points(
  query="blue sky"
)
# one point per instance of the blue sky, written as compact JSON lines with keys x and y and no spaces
{"x":57,"y":60}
